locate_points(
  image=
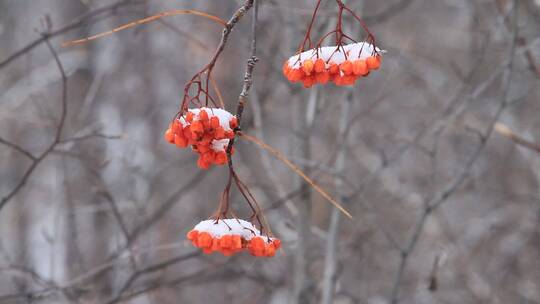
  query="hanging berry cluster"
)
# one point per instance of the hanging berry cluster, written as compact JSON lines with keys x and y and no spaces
{"x":230,"y":236}
{"x":207,"y":130}
{"x":342,"y":64}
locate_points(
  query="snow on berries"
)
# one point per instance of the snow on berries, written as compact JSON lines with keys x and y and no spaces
{"x":207,"y":131}
{"x":341,"y":65}
{"x":231,"y":236}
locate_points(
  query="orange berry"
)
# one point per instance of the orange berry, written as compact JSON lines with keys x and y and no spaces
{"x":206,"y":125}
{"x":373,"y":62}
{"x":270,"y":251}
{"x":189,"y":117}
{"x":360,"y":68}
{"x":338,"y":80}
{"x":207,"y":250}
{"x":219,"y":133}
{"x":296,"y":75}
{"x":202,"y":164}
{"x":307,"y":66}
{"x":214,"y":122}
{"x":215,"y":245}
{"x":202,"y":148}
{"x":334,"y":68}
{"x":187,"y":132}
{"x":169,"y":136}
{"x":346,"y":67}
{"x":229,"y":134}
{"x":277,"y":243}
{"x":203,"y":115}
{"x":309,"y":81}
{"x":192,"y":235}
{"x":176,"y":127}
{"x":180,"y":141}
{"x":207,"y":138}
{"x":236,"y":243}
{"x":319,"y":65}
{"x":227,"y":252}
{"x":233,"y":123}
{"x":286,"y":68}
{"x":323,"y":77}
{"x":349,"y":80}
{"x":257,"y":246}
{"x":204,"y":240}
{"x":208,"y":157}
{"x":226,"y":242}
{"x":197,"y":127}
{"x":221,"y":158}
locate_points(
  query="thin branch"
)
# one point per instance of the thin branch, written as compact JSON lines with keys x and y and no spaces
{"x":57,"y":136}
{"x":508,"y":133}
{"x":18,"y":149}
{"x":73,"y":25}
{"x":89,"y":136}
{"x":297,"y":170}
{"x":159,"y":213}
{"x":148,"y":270}
{"x":143,"y":21}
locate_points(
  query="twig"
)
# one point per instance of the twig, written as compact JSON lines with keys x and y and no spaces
{"x":18,"y":149}
{"x":143,"y":21}
{"x":89,"y":136}
{"x":508,"y":133}
{"x":73,"y":25}
{"x":148,"y":270}
{"x":36,"y":161}
{"x":293,"y":167}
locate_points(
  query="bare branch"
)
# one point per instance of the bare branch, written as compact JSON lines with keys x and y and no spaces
{"x":508,"y":133}
{"x":79,"y":21}
{"x":58,"y":134}
{"x":18,"y":149}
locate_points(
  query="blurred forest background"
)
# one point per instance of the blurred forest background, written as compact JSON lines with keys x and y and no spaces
{"x":433,"y":154}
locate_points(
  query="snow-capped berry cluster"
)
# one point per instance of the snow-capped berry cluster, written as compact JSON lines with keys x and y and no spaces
{"x":207,"y":131}
{"x":342,"y":65}
{"x":231,"y":236}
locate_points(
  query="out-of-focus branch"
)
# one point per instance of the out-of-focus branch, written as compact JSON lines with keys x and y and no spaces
{"x":89,"y":136}
{"x":389,"y":12}
{"x":57,"y":137}
{"x":159,"y":213}
{"x":79,"y":21}
{"x":443,"y":196}
{"x":330,"y":259}
{"x":148,"y":270}
{"x":18,"y":149}
{"x":508,"y":133}
{"x":301,"y":279}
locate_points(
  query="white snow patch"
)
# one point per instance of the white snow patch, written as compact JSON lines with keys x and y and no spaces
{"x":229,"y":227}
{"x":223,"y":116}
{"x":333,"y":54}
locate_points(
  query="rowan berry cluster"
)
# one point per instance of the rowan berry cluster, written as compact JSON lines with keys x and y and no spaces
{"x":340,"y":65}
{"x":231,"y":236}
{"x":207,"y":131}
